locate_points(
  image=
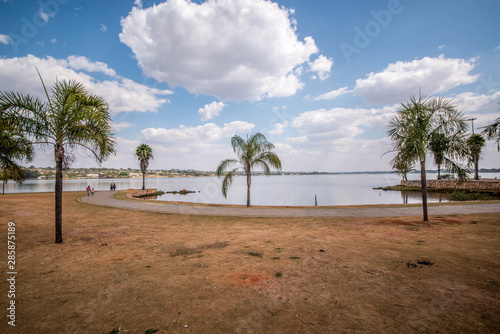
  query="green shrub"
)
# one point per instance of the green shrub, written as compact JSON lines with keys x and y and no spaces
{"x":466,"y":196}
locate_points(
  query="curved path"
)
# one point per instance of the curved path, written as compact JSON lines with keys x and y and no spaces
{"x":105,"y":198}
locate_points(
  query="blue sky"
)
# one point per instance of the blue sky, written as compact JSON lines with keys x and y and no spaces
{"x":321,"y":79}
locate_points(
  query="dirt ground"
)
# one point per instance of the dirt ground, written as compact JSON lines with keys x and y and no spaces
{"x":122,"y":271}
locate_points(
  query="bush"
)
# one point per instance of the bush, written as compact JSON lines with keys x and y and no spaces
{"x":467,"y":196}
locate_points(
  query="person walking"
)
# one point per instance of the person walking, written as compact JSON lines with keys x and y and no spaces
{"x":88,"y":190}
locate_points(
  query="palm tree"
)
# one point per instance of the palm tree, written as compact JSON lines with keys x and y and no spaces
{"x":492,"y":131}
{"x":143,"y":153}
{"x":71,"y":117}
{"x":402,"y":166}
{"x":413,"y":128}
{"x":475,"y":142}
{"x":13,"y":146}
{"x":253,"y":152}
{"x":439,"y":145}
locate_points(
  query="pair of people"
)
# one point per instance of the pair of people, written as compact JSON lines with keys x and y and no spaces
{"x":90,"y":190}
{"x":112,"y":186}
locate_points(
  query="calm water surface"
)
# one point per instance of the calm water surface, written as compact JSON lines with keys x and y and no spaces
{"x":293,"y":190}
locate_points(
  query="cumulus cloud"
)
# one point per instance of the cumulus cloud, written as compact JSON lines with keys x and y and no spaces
{"x":195,"y":136}
{"x":231,"y":49}
{"x":211,"y":110}
{"x":333,"y":94}
{"x":324,"y":126}
{"x":4,"y":39}
{"x":470,"y":102}
{"x":322,"y":66}
{"x":400,"y":80}
{"x":279,"y":128}
{"x":196,"y":147}
{"x":122,"y":94}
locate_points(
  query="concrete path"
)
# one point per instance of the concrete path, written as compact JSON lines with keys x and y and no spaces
{"x":105,"y":198}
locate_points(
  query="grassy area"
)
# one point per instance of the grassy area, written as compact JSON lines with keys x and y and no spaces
{"x":124,"y":271}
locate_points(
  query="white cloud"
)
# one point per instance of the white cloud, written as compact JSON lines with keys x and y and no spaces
{"x":232,"y":49}
{"x":83,"y":63}
{"x":279,"y":128}
{"x":497,"y":48}
{"x":401,"y":80}
{"x":118,"y":126}
{"x":53,"y":41}
{"x":103,"y":28}
{"x":442,"y":46}
{"x":322,"y":66}
{"x":469,"y":102}
{"x":4,"y":39}
{"x":44,"y":16}
{"x":201,"y":147}
{"x":211,"y":110}
{"x":138,"y":3}
{"x":122,"y":94}
{"x":333,"y":94}
{"x":324,"y":126}
{"x":187,"y":137}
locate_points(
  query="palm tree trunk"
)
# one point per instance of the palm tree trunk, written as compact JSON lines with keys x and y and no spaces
{"x":439,"y":172}
{"x":423,"y":186}
{"x":143,"y":180}
{"x":249,"y":183}
{"x":59,"y":155}
{"x":476,"y":167}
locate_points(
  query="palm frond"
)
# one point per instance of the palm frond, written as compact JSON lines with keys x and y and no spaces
{"x":227,"y":181}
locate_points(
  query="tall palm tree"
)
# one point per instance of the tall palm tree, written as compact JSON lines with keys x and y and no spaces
{"x":144,"y":153}
{"x":475,"y":142}
{"x":439,"y":145}
{"x":414,"y":126}
{"x":253,"y":152}
{"x":492,"y":131}
{"x":70,"y":117}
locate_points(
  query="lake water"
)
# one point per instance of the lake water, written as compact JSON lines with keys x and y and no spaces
{"x":292,"y":190}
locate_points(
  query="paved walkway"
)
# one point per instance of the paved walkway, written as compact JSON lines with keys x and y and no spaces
{"x":105,"y":198}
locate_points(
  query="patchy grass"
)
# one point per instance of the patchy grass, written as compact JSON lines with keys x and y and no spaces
{"x":138,"y":271}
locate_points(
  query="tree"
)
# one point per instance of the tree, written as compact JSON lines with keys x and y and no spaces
{"x":439,"y":145}
{"x":402,"y":166}
{"x":475,"y":143}
{"x":70,"y":117}
{"x":256,"y":151}
{"x":144,"y":153}
{"x":492,"y":131}
{"x":413,"y":128}
{"x":13,"y":146}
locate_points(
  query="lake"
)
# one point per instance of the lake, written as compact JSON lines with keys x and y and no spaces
{"x":291,"y":190}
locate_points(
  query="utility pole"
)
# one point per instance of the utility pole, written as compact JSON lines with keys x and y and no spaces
{"x":472,"y":121}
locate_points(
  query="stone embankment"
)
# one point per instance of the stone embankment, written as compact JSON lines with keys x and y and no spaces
{"x":454,"y":184}
{"x":139,"y":193}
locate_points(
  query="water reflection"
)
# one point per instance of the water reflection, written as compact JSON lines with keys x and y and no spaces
{"x":415,"y":196}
